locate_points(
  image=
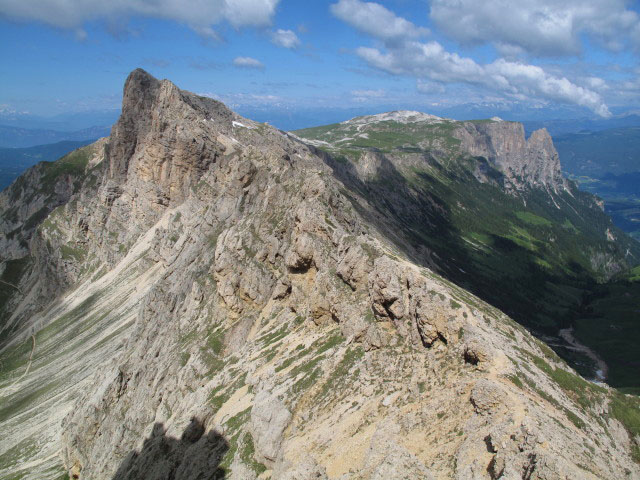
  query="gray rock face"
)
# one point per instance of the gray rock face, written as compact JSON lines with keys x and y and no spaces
{"x":487,"y":396}
{"x":232,"y":314}
{"x":307,"y":469}
{"x":533,"y":162}
{"x":419,"y":313}
{"x":386,"y":459}
{"x":37,"y":193}
{"x":269,"y":419}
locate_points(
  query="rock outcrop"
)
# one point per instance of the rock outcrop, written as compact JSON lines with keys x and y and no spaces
{"x":33,"y":196}
{"x":480,"y":204}
{"x":233,"y":314}
{"x":525,"y":163}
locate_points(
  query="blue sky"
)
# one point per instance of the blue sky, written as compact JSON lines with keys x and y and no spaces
{"x":64,"y":57}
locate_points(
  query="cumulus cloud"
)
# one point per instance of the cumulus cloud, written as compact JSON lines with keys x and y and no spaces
{"x":596,"y":83}
{"x":248,"y":62}
{"x":200,"y":15}
{"x":519,"y":80}
{"x":425,"y":86}
{"x":366,"y":95}
{"x":430,"y":62}
{"x":375,"y":20}
{"x":538,"y":27}
{"x":285,"y":38}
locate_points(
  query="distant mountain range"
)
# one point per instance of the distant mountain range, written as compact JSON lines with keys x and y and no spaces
{"x":21,"y":148}
{"x":14,"y":161}
{"x":18,"y":137}
{"x":563,"y":120}
{"x":66,"y":122}
{"x":614,"y":151}
{"x":583,"y":125}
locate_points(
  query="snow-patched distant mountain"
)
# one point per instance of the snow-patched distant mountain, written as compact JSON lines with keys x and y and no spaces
{"x":400,"y":116}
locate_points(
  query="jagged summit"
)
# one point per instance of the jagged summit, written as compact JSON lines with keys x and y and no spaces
{"x":137,"y":85}
{"x":214,"y":297}
{"x":400,"y":116}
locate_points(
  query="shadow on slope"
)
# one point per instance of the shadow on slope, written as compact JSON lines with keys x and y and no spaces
{"x":418,"y":218}
{"x":528,"y":265}
{"x":193,"y":456}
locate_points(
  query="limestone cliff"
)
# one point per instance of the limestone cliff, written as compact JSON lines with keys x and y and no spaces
{"x":526,"y":163}
{"x":231,"y":312}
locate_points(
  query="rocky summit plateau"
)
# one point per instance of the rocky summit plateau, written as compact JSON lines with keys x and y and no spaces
{"x":201,"y":296}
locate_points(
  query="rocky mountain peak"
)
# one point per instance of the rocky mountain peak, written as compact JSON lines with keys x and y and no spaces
{"x":541,"y":139}
{"x":234,"y":307}
{"x":140,"y":88}
{"x":149,"y":108}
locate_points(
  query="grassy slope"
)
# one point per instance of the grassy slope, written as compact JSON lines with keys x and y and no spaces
{"x":73,"y":165}
{"x":524,"y":255}
{"x":13,"y":161}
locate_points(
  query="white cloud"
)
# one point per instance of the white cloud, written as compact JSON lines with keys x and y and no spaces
{"x":375,"y":20}
{"x":200,"y":15}
{"x":519,"y":80}
{"x":538,"y":27}
{"x":596,"y":83}
{"x":367,"y":95}
{"x":425,"y":86}
{"x":285,"y":38}
{"x":248,"y":62}
{"x":206,"y":31}
{"x":405,"y":54}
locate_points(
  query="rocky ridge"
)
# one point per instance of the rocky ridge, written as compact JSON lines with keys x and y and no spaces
{"x":525,"y":164}
{"x":265,"y":329}
{"x":482,"y":205}
{"x":29,"y":200}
